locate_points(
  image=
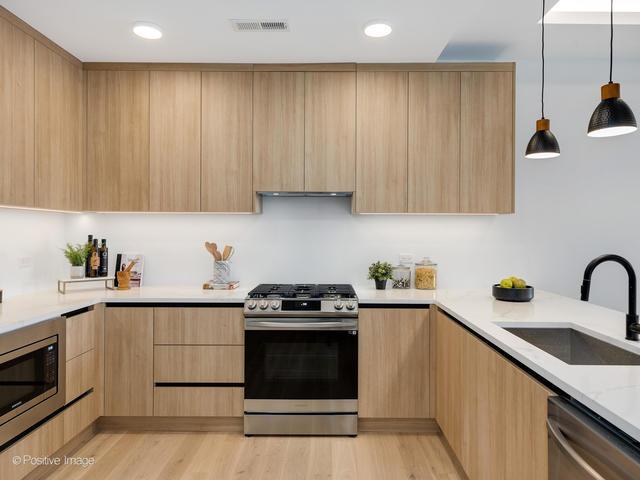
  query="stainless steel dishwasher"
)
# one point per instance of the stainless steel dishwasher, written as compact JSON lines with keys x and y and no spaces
{"x":581,"y":447}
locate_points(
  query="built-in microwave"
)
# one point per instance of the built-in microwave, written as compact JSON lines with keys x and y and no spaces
{"x":32,"y":376}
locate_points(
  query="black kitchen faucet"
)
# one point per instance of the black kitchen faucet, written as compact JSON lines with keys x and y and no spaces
{"x":633,"y":327}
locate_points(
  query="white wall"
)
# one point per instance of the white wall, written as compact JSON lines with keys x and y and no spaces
{"x":30,"y":258}
{"x":568,"y":210}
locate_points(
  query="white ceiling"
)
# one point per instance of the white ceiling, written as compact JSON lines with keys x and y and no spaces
{"x":321,"y":31}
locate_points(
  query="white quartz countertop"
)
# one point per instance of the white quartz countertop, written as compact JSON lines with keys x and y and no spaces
{"x":612,"y":392}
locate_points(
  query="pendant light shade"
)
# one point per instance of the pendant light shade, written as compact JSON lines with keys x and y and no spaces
{"x":612,"y":116}
{"x":543,"y":143}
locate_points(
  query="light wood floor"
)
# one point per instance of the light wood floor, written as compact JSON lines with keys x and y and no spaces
{"x":170,"y":456}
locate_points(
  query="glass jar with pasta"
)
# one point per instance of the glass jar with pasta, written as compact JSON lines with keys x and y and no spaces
{"x":426,"y":274}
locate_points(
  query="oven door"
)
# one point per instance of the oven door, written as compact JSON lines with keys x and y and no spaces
{"x":314,"y":366}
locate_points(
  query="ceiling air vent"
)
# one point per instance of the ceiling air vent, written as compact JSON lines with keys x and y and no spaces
{"x":260,"y":25}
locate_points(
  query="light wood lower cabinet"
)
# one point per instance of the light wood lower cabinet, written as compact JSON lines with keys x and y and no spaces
{"x":198,"y":401}
{"x":81,"y":334}
{"x":128,"y":361}
{"x":491,"y":412}
{"x":393,"y":363}
{"x":81,"y":375}
{"x":198,"y":326}
{"x":79,"y":416}
{"x":42,"y":442}
{"x":199,"y":363}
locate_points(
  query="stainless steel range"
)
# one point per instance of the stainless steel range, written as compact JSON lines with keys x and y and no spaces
{"x":301,"y":360}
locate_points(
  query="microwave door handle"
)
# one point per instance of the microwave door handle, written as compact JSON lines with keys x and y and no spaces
{"x":565,"y":446}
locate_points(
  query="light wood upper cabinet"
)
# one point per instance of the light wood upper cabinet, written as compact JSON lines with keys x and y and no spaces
{"x":117,"y":141}
{"x":174,"y":155}
{"x":330,"y":131}
{"x":227,"y":131}
{"x":491,"y":412}
{"x":434,"y":142}
{"x":59,"y":132}
{"x":128,"y":365}
{"x":16,"y":116}
{"x":486,"y":146}
{"x":278,"y":131}
{"x":393,"y":363}
{"x":381,"y":174}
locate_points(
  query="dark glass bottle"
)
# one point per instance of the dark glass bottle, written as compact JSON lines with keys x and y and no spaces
{"x":87,"y":261}
{"x":95,"y":259}
{"x":103,"y":271}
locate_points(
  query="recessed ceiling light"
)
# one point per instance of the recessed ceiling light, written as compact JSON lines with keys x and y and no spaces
{"x":147,"y":30}
{"x":377,"y":29}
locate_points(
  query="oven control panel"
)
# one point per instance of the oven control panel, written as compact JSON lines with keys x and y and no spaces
{"x":300,"y":307}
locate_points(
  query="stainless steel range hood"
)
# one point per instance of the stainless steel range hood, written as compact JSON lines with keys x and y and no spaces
{"x":306,"y":194}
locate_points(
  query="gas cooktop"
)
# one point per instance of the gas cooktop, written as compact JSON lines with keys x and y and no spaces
{"x":275,"y":300}
{"x":302,"y":290}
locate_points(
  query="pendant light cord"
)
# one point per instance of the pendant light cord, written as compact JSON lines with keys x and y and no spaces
{"x":611,"y":47}
{"x":542,"y":93}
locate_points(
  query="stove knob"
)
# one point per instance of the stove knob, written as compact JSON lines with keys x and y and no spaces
{"x":338,"y":304}
{"x":263,"y":304}
{"x":351,"y":305}
{"x":275,"y":305}
{"x":251,"y":304}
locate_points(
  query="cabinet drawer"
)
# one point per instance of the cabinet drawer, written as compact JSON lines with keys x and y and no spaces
{"x":81,"y":374}
{"x":198,"y":401}
{"x":42,"y":442}
{"x":80,"y":334}
{"x":199,"y":363}
{"x":198,"y":326}
{"x":79,"y":416}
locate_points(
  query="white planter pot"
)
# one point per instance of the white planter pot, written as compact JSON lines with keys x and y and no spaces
{"x":76,"y":272}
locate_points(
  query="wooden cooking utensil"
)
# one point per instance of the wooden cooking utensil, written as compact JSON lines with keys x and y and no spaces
{"x":226,"y":252}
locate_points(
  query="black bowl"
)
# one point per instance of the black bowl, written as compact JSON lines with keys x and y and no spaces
{"x":513,"y":294}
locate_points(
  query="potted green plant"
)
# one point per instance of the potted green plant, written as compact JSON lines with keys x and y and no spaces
{"x":76,"y":255}
{"x":380,"y":272}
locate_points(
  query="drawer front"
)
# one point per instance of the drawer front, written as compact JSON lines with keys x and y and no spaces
{"x":199,"y":363}
{"x":80,"y":334}
{"x":198,"y":326}
{"x":198,"y":402}
{"x":81,"y":374}
{"x":79,"y":416}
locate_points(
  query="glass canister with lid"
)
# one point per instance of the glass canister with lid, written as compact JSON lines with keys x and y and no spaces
{"x":426,"y":274}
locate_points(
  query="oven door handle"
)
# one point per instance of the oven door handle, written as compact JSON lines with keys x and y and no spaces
{"x":266,"y":325}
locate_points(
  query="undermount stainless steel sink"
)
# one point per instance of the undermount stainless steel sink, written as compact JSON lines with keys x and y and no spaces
{"x":575,"y":347}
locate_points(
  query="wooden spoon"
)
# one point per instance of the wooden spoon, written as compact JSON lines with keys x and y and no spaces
{"x":211,"y":248}
{"x":226,"y":252}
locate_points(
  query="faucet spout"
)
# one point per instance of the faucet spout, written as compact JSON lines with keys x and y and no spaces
{"x":633,"y":326}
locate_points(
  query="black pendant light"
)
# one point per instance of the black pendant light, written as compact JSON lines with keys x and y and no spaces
{"x":612,"y":116}
{"x":543,"y":143}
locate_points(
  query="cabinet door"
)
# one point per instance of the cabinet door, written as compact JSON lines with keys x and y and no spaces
{"x":278,"y":131}
{"x":393,"y":363}
{"x":117,"y":141}
{"x":491,"y":412}
{"x":59,"y":132}
{"x":381,"y":173}
{"x":174,"y":130}
{"x":227,"y":131}
{"x":16,"y":116}
{"x":434,"y":142}
{"x":128,"y":361}
{"x":330,"y":131}
{"x":486,"y":147}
